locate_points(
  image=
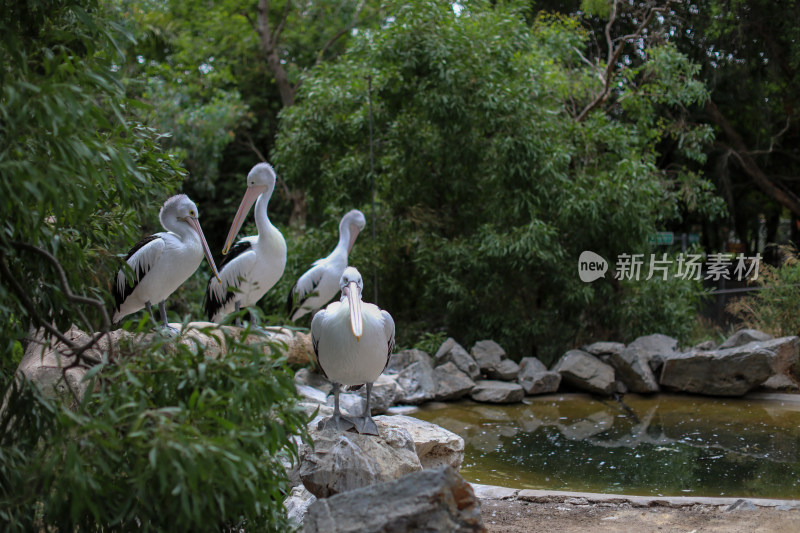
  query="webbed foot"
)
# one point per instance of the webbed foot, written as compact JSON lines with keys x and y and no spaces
{"x":336,"y":423}
{"x":365,"y":425}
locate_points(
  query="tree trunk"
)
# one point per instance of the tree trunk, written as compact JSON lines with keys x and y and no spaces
{"x":783,"y":196}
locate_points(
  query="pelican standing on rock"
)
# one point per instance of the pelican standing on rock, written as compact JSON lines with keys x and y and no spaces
{"x":353,"y":342}
{"x":255,"y":263}
{"x":162,"y":262}
{"x":320,"y":283}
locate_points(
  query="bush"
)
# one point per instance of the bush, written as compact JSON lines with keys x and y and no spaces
{"x":166,"y":439}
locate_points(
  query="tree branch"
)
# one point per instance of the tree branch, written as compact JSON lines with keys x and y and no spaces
{"x":739,"y":150}
{"x":341,"y":32}
{"x":614,"y":52}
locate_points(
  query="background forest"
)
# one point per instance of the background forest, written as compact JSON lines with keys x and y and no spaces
{"x":488,"y":143}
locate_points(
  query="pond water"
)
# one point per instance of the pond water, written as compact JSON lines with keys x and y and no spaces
{"x":664,"y":445}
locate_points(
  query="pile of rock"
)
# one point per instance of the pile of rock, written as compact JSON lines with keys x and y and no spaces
{"x":747,"y":360}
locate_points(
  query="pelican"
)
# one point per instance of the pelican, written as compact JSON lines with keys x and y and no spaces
{"x":353,"y":342}
{"x":162,"y":262}
{"x":255,"y":263}
{"x":320,"y":283}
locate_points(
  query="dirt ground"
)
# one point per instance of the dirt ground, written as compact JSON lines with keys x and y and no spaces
{"x":579,"y":515}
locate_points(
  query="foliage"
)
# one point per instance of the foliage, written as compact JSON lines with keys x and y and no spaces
{"x":75,"y":168}
{"x":772,"y":308}
{"x":487,"y":188}
{"x":166,"y":439}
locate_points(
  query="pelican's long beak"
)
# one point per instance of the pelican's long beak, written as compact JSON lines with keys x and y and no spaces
{"x":354,"y":299}
{"x":249,"y":198}
{"x":353,"y":234}
{"x":195,"y":224}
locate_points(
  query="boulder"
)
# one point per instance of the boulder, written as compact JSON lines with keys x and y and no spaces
{"x":491,"y":391}
{"x":435,"y":445}
{"x":603,"y":349}
{"x":632,"y":366}
{"x":488,"y":355}
{"x":729,"y":372}
{"x":384,"y":393}
{"x":402,"y":360}
{"x":297,"y":504}
{"x":308,"y":377}
{"x":344,"y":461}
{"x":658,"y":347}
{"x":535,"y":378}
{"x":416,"y":382}
{"x":586,"y":372}
{"x":493,"y":361}
{"x":431,"y":500}
{"x":451,"y":383}
{"x":310,"y":393}
{"x":507,"y":370}
{"x":744,"y":336}
{"x":451,"y":351}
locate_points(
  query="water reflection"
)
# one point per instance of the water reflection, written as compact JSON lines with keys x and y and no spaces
{"x":654,"y":445}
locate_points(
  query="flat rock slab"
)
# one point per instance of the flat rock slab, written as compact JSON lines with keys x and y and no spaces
{"x":431,"y":500}
{"x":344,"y":461}
{"x":586,"y":372}
{"x":491,"y":391}
{"x":730,"y":372}
{"x":744,"y":336}
{"x":435,"y":445}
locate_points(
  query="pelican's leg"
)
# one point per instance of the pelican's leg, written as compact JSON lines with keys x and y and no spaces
{"x":149,"y":308}
{"x":337,"y":421}
{"x":365,"y":424}
{"x":162,"y":308}
{"x":238,"y":306}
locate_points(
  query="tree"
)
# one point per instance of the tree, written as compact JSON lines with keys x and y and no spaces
{"x":489,"y":179}
{"x":166,"y":437}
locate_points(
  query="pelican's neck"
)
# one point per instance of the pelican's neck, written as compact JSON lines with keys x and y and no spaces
{"x":344,"y":241}
{"x":263,"y":223}
{"x":180,"y":228}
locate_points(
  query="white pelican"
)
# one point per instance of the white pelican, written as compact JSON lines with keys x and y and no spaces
{"x":353,"y":342}
{"x":255,"y":263}
{"x":320,"y":283}
{"x":162,"y":262}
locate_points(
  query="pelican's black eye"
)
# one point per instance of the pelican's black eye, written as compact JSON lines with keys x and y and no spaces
{"x":192,"y":213}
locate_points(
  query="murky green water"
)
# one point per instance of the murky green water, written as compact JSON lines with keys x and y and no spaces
{"x":666,"y":445}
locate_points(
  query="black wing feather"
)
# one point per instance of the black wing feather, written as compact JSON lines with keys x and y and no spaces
{"x":212,"y":303}
{"x":120,"y":297}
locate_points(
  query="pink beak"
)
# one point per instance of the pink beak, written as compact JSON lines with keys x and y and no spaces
{"x":249,"y":198}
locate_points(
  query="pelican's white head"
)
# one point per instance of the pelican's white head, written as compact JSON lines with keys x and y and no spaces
{"x":351,"y":285}
{"x":260,"y":180}
{"x":179,"y":209}
{"x":353,"y":222}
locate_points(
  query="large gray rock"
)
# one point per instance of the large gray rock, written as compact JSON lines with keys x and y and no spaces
{"x":384,"y":393}
{"x":744,"y":336}
{"x":604,"y":349}
{"x":416,"y":383}
{"x":401,"y":360}
{"x":586,"y":372}
{"x":658,"y":347}
{"x":729,"y":372}
{"x":435,"y":445}
{"x":488,"y":354}
{"x":535,"y":378}
{"x":344,"y":461}
{"x":451,"y":383}
{"x":304,"y":376}
{"x":491,"y":391}
{"x":451,"y":351}
{"x":632,"y":366}
{"x":427,"y":501}
{"x":507,"y":370}
{"x":297,"y":504}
